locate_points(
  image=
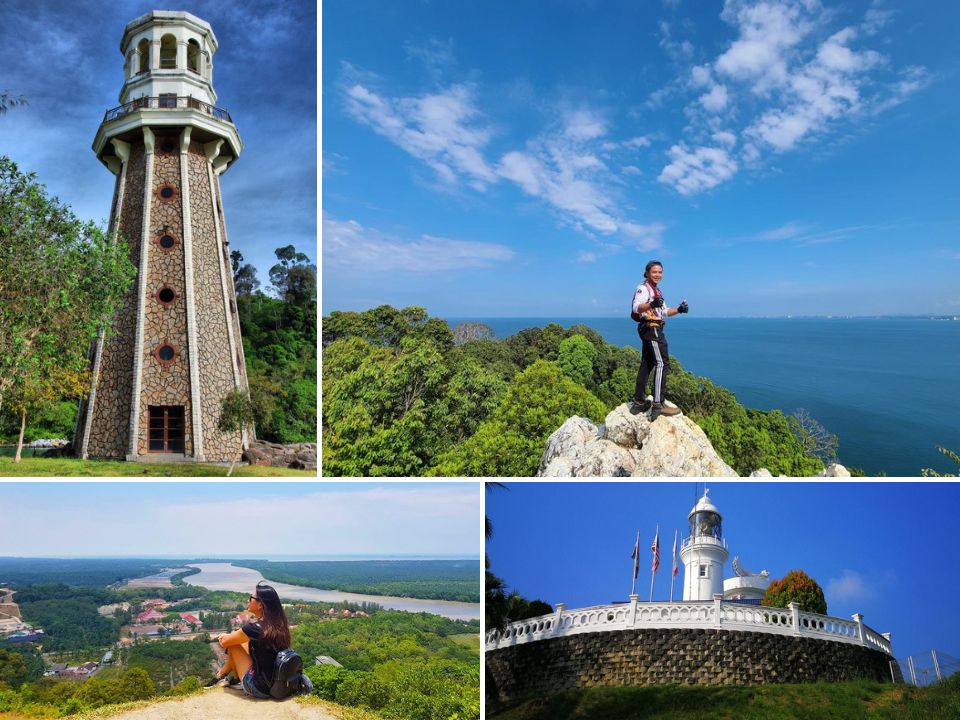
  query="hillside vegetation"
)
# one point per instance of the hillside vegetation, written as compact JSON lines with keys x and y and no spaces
{"x":402,"y":666}
{"x":404,"y":394}
{"x":819,"y":701}
{"x":430,"y":579}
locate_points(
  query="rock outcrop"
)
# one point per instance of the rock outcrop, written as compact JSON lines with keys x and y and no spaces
{"x":301,"y":456}
{"x":628,"y":445}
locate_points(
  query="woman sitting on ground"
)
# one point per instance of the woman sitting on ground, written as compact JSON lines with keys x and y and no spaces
{"x":252,"y":650}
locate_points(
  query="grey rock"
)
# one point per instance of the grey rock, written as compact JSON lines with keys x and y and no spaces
{"x":632,"y":447}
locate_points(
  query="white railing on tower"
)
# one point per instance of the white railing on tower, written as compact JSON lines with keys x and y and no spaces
{"x":715,"y":614}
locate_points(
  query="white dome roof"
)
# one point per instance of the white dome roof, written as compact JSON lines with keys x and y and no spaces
{"x":704,"y":505}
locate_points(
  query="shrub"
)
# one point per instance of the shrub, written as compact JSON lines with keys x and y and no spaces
{"x":796,"y":586}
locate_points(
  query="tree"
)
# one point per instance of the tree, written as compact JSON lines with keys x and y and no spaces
{"x":930,"y":472}
{"x":796,"y":586}
{"x":814,"y":438}
{"x":236,"y":415}
{"x":465,"y":332}
{"x":575,"y":357}
{"x":61,"y":280}
{"x":8,"y":101}
{"x":294,"y":278}
{"x":245,"y":280}
{"x":511,"y":443}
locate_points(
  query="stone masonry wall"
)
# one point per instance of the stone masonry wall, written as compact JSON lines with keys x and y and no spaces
{"x":216,"y":367}
{"x":109,"y":429}
{"x":225,"y":258}
{"x":165,"y":384}
{"x":672,"y":657}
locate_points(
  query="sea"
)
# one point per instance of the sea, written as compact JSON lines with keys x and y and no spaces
{"x":889,"y":388}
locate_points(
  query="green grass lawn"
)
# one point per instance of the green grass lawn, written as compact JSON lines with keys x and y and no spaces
{"x":817,"y":701}
{"x":73,"y":467}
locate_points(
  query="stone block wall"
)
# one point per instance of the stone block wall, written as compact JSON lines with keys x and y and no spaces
{"x":215,"y":361}
{"x":165,"y":384}
{"x":672,"y":657}
{"x":109,"y":429}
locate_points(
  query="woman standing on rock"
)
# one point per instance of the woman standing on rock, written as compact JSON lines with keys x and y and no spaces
{"x":252,"y":650}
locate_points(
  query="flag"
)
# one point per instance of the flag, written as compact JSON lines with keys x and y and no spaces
{"x":675,"y":568}
{"x":636,"y":556}
{"x":655,"y":549}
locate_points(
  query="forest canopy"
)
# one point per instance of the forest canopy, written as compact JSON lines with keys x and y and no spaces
{"x":405,"y":394}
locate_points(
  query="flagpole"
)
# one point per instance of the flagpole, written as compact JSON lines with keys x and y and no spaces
{"x":653,"y":572}
{"x":673,"y":569}
{"x":636,"y":561}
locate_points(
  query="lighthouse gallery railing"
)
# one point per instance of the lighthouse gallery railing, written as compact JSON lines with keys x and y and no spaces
{"x":715,"y":614}
{"x":166,"y":102}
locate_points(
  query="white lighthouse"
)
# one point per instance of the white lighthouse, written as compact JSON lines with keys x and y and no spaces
{"x":704,"y":552}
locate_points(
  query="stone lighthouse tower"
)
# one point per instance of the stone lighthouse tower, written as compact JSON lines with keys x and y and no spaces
{"x":173,"y":352}
{"x":704,"y":553}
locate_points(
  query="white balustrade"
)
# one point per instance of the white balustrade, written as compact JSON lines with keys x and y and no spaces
{"x":690,"y":615}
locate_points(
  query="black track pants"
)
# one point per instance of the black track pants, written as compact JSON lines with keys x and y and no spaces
{"x":653,"y":360}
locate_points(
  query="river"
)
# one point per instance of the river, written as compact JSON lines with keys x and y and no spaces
{"x":225,"y":576}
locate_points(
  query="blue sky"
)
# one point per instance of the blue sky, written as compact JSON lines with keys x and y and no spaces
{"x":64,"y":58}
{"x":526,"y":159}
{"x":271,"y":518}
{"x":875,"y":548}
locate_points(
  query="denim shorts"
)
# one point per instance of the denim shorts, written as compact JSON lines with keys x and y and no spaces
{"x":250,"y":689}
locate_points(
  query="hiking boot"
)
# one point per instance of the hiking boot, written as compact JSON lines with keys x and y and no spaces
{"x":639,"y":406}
{"x":659,"y":409}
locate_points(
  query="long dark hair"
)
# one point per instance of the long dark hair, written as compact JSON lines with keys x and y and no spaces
{"x":273,"y":623}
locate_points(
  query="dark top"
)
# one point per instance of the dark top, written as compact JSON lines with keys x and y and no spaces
{"x":264,"y":657}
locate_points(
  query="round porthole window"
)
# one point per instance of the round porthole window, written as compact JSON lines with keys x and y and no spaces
{"x":166,"y":353}
{"x":166,"y":295}
{"x":166,"y":241}
{"x":167,"y":193}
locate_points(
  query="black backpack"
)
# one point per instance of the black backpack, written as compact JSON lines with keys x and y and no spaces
{"x":287,"y":675}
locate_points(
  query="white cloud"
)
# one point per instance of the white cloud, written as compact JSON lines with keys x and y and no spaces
{"x":678,"y":50}
{"x":443,"y":129}
{"x":805,"y":83}
{"x":349,"y":245}
{"x":645,"y":237}
{"x":826,"y":88}
{"x":586,"y":257}
{"x":693,"y":171}
{"x":850,"y":586}
{"x":725,"y":137}
{"x":700,"y":76}
{"x":716,"y":99}
{"x":583,"y":125}
{"x":875,"y":19}
{"x":561,"y":170}
{"x":768,"y":31}
{"x":784,"y":232}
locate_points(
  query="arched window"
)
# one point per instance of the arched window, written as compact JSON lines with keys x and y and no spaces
{"x":193,"y":56}
{"x":168,"y":52}
{"x":143,"y":56}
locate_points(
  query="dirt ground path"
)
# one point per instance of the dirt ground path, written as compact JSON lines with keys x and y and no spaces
{"x":222,"y":703}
